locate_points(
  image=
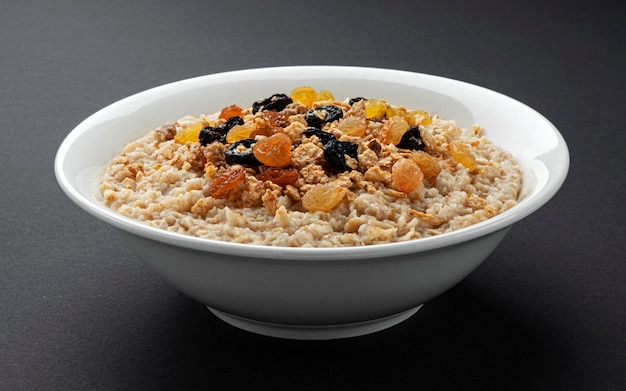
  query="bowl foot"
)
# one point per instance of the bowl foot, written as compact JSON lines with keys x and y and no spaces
{"x":314,"y":332}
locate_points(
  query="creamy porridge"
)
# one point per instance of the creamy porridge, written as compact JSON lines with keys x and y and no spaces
{"x":307,"y":170}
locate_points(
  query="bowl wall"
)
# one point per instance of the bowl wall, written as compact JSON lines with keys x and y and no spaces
{"x":313,"y":292}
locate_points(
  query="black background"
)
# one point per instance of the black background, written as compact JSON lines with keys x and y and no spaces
{"x":78,"y":310}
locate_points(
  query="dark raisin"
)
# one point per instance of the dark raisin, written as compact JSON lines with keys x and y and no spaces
{"x":412,"y":139}
{"x":335,"y":152}
{"x":240,"y":152}
{"x":209,"y":135}
{"x":319,"y":116}
{"x":230,"y":123}
{"x":313,"y":120}
{"x":276,"y":102}
{"x":354,"y":100}
{"x":212,"y":134}
{"x":323,"y":136}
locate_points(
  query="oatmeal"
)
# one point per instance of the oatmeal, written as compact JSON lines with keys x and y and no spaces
{"x":307,"y":170}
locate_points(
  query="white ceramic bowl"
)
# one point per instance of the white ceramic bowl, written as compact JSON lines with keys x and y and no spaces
{"x":314,"y":293}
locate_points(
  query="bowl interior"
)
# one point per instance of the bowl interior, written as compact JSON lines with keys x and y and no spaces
{"x":530,"y":137}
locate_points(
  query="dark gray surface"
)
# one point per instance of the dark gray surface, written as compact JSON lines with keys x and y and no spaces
{"x":79,"y":311}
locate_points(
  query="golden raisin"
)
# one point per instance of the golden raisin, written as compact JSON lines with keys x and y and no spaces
{"x":230,"y":111}
{"x":280,"y":176}
{"x":240,"y":132}
{"x":305,"y":95}
{"x":393,"y":111}
{"x":353,"y":126}
{"x":227,"y":181}
{"x":423,"y":117}
{"x":375,"y":108}
{"x":428,"y":164}
{"x":273,"y":151}
{"x":325,"y":95}
{"x":461,"y":153}
{"x":308,"y":95}
{"x":189,"y":134}
{"x":406,"y":175}
{"x":323,"y":198}
{"x":396,"y":130}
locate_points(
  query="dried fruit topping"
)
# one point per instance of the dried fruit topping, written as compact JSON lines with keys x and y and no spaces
{"x":232,"y":121}
{"x":276,"y":102}
{"x":273,"y":151}
{"x":412,"y":139}
{"x":335,"y":152}
{"x":323,"y":198}
{"x":375,"y":108}
{"x":428,"y":164}
{"x":406,"y":175}
{"x":308,"y":95}
{"x":222,"y":185}
{"x":395,"y":111}
{"x":305,"y":95}
{"x":210,"y":135}
{"x":189,"y":134}
{"x":461,"y":153}
{"x":396,"y":130}
{"x":323,"y":136}
{"x":240,"y":152}
{"x":230,"y":111}
{"x":218,"y":133}
{"x":353,"y":126}
{"x":240,"y":132}
{"x":319,"y":116}
{"x":280,"y":176}
{"x":425,"y":119}
{"x":354,"y":100}
{"x":399,"y":111}
{"x":325,"y":95}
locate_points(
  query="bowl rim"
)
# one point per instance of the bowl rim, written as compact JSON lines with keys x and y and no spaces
{"x":556,"y":178}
